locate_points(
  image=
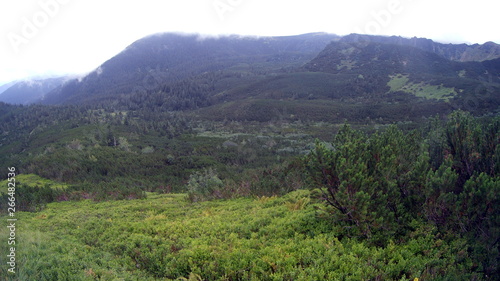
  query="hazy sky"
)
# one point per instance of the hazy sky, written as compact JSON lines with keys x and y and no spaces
{"x":75,"y":36}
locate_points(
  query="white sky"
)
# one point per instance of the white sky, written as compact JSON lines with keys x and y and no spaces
{"x":47,"y":37}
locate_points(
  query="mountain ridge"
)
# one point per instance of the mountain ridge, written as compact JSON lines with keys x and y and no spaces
{"x":159,"y":59}
{"x":457,"y":52}
{"x":177,"y":72}
{"x":172,"y":57}
{"x":30,"y":91}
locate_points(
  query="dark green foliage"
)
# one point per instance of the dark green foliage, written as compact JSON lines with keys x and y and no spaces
{"x":380,"y":185}
{"x":463,"y":193}
{"x":374,"y":183}
{"x":401,"y":205}
{"x":30,"y":198}
{"x":276,"y":180}
{"x":204,"y":185}
{"x":33,"y":198}
{"x":115,"y":189}
{"x":474,"y":146}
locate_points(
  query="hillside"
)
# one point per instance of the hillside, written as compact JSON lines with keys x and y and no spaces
{"x":172,"y":72}
{"x":379,"y":67}
{"x":393,"y":205}
{"x":166,"y":58}
{"x":374,"y":58}
{"x":454,"y":52}
{"x":269,"y":98}
{"x":363,"y":80}
{"x":164,"y":237}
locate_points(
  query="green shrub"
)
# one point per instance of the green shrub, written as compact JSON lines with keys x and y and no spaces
{"x":372,"y":182}
{"x":204,"y":185}
{"x":30,"y":198}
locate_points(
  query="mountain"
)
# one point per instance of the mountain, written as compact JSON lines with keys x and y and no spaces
{"x":455,"y":52}
{"x":30,"y":91}
{"x":6,"y":86}
{"x":372,"y":57}
{"x":402,"y":69}
{"x":179,"y":64}
{"x":255,"y":78}
{"x":165,"y":58}
{"x":365,"y":79}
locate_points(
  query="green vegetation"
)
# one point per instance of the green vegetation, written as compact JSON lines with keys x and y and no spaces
{"x":397,"y":82}
{"x":33,"y":180}
{"x":233,"y":160}
{"x":423,"y":90}
{"x":165,"y":237}
{"x":388,"y":205}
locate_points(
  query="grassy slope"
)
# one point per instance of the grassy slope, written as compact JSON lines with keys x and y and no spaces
{"x":165,"y":237}
{"x":34,"y":181}
{"x":422,"y":89}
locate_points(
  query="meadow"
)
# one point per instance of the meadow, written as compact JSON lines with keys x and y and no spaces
{"x":166,"y":237}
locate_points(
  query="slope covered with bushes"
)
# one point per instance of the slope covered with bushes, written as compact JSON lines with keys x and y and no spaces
{"x":391,"y":205}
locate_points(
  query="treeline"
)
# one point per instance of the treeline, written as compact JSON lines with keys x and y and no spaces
{"x":158,"y":95}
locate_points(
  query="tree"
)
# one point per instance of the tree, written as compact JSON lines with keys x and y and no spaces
{"x":204,"y":185}
{"x":373,"y":183}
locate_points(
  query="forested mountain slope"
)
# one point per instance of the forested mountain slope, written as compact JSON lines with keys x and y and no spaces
{"x":240,"y":78}
{"x":455,"y":52}
{"x":389,"y":70}
{"x":168,"y":58}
